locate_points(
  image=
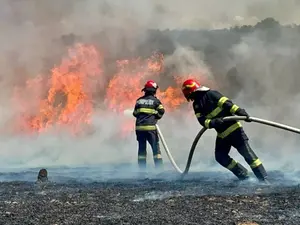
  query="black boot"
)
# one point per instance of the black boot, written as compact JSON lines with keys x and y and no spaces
{"x":142,"y":162}
{"x":158,"y":163}
{"x":253,"y":161}
{"x":240,"y":171}
{"x":260,"y":173}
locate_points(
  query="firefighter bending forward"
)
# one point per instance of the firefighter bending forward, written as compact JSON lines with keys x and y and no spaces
{"x":210,"y":106}
{"x":148,"y":109}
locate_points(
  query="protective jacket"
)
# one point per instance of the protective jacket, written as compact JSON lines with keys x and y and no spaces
{"x":212,"y":104}
{"x":148,"y":109}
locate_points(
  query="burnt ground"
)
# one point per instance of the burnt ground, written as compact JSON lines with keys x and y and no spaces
{"x":199,"y":200}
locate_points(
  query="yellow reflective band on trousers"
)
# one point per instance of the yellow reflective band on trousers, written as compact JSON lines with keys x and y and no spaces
{"x":160,"y":106}
{"x":158,"y":156}
{"x":222,"y":101}
{"x":146,"y":110}
{"x":145,"y":127}
{"x":229,"y":130}
{"x":142,"y":157}
{"x":255,"y":164}
{"x":232,"y":164}
{"x":234,"y":108}
{"x":207,"y":122}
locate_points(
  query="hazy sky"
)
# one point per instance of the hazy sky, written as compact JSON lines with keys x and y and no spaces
{"x":223,"y":13}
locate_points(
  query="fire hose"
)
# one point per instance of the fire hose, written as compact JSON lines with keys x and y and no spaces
{"x":201,"y":132}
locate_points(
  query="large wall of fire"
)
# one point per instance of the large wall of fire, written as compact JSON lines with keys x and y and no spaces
{"x":69,"y":93}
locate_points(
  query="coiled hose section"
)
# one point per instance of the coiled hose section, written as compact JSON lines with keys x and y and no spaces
{"x":202,"y":131}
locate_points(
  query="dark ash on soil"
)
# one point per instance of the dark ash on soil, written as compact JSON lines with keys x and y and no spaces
{"x":147,"y":202}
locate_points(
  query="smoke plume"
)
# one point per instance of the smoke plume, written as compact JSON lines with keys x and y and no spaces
{"x":35,"y":36}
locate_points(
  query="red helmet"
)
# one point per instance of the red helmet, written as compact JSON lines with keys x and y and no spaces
{"x":189,"y":86}
{"x":150,"y":85}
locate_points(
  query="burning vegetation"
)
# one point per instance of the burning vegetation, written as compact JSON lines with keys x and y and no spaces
{"x":65,"y":98}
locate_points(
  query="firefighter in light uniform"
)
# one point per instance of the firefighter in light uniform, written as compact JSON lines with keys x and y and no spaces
{"x":210,"y":106}
{"x":148,"y":110}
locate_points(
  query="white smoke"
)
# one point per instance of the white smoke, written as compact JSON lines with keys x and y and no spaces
{"x":30,"y":45}
{"x":270,"y":78}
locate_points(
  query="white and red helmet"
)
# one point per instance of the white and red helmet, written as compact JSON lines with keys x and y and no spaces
{"x":189,"y":86}
{"x":150,"y":85}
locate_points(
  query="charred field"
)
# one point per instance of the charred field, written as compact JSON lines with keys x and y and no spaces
{"x":103,"y":195}
{"x":74,"y":197}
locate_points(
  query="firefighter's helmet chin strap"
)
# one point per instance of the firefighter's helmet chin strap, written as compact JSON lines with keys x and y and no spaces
{"x":189,"y":98}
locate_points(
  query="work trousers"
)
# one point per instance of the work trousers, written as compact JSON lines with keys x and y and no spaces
{"x":238,"y":140}
{"x":153,"y":140}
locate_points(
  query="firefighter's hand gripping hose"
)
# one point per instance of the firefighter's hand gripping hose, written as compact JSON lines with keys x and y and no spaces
{"x":202,"y":131}
{"x":230,"y":118}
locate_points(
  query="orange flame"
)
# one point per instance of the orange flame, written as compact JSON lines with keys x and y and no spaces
{"x":68,"y":100}
{"x":125,"y":86}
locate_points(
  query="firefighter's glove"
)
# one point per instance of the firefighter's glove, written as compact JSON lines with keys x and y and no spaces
{"x":157,"y":116}
{"x":242,"y":112}
{"x":216,"y":123}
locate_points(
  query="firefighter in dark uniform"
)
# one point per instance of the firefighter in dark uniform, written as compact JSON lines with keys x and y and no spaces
{"x":210,"y":106}
{"x":148,"y":110}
